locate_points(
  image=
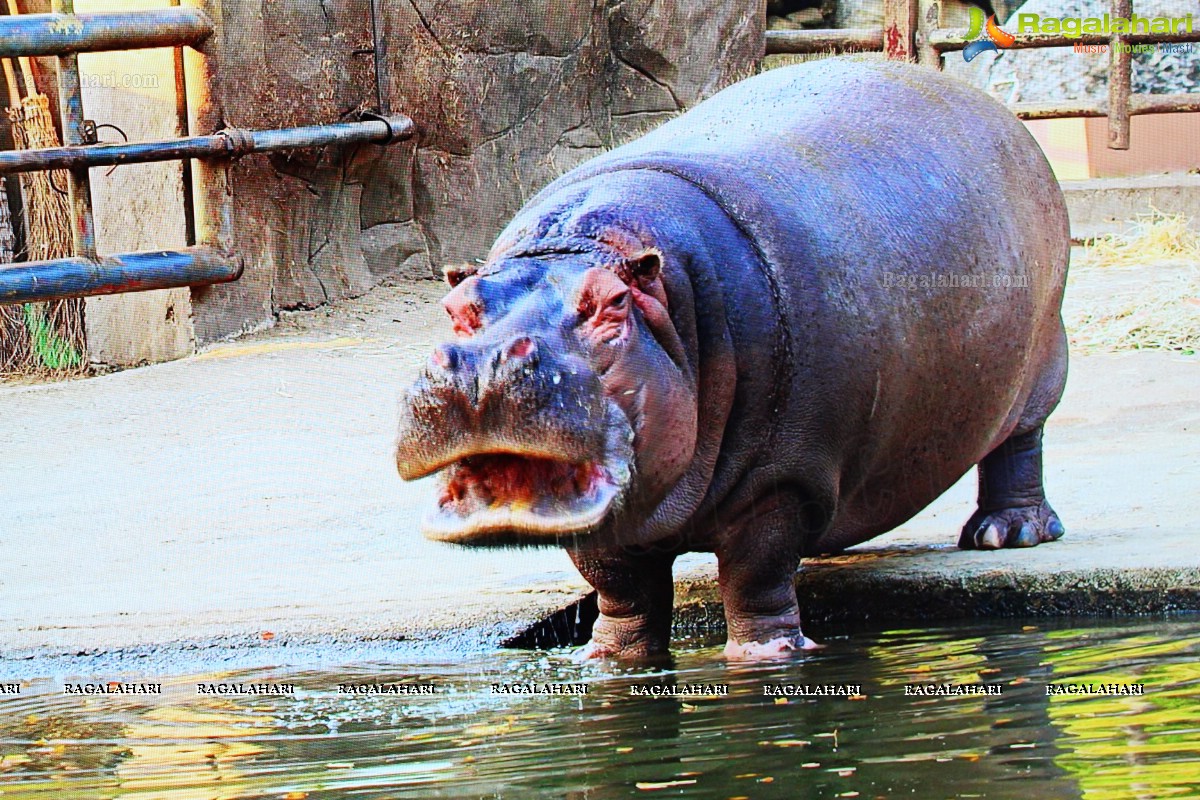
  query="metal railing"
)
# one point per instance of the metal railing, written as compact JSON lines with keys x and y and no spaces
{"x":210,"y":256}
{"x":912,"y":31}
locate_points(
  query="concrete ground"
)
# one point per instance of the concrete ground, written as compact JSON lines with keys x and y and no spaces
{"x":250,"y":490}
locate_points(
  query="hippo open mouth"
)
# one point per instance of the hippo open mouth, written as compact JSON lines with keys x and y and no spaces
{"x":507,"y":486}
{"x":505,"y":496}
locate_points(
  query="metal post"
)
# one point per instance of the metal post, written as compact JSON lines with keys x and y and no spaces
{"x":379,"y":54}
{"x":1120,"y":75}
{"x":181,"y":130}
{"x":212,"y":196}
{"x":840,"y":40}
{"x":36,"y":281}
{"x":1182,"y":103}
{"x":70,"y":106}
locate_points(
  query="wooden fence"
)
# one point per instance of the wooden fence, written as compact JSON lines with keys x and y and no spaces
{"x":912,"y":31}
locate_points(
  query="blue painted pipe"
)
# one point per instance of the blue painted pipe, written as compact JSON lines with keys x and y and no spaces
{"x":37,"y":281}
{"x":62,"y":34}
{"x":228,"y":143}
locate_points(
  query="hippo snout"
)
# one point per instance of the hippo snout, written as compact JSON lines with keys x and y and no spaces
{"x":474,"y":370}
{"x":523,"y":437}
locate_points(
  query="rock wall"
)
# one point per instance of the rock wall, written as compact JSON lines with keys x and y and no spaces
{"x":505,"y":98}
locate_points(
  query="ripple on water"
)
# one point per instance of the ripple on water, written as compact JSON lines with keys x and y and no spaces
{"x":467,"y":741}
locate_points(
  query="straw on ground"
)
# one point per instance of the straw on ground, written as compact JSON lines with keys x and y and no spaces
{"x":1151,"y":299}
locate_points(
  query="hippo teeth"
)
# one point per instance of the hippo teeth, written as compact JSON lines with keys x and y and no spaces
{"x":511,"y":479}
{"x":494,"y":493}
{"x":517,"y":496}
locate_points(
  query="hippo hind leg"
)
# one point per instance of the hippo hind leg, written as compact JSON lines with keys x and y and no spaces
{"x":1012,"y":511}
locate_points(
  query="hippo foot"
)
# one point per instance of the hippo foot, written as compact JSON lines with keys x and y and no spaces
{"x":633,"y":638}
{"x":781,"y":647}
{"x":1025,"y":526}
{"x":598,"y":651}
{"x":593,"y":651}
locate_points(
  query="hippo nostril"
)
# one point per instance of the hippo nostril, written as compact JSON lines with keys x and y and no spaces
{"x":521,"y":348}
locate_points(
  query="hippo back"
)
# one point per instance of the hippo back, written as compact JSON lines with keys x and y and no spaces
{"x":915,"y":243}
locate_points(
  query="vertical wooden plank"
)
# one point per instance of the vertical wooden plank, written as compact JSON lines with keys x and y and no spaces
{"x":70,"y":106}
{"x":929,"y":18}
{"x":900,"y":29}
{"x":1120,"y":74}
{"x":181,"y":130}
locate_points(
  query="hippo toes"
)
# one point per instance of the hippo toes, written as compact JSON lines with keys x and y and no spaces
{"x":776,"y":648}
{"x":1013,"y":511}
{"x":1026,"y":526}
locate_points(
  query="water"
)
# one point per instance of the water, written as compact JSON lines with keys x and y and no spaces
{"x":468,"y":742}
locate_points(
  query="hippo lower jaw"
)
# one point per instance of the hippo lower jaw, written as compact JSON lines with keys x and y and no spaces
{"x":509,"y":497}
{"x":551,"y":499}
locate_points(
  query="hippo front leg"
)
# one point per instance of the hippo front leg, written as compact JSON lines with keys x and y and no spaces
{"x":757,"y":566}
{"x":636,"y":596}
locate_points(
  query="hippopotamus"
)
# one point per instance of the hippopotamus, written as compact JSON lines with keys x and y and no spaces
{"x":776,"y":326}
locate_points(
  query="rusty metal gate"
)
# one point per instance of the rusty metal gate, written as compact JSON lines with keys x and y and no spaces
{"x":209,"y":257}
{"x":912,"y":31}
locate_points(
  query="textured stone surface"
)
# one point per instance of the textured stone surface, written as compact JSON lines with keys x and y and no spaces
{"x":1106,"y":205}
{"x":1058,"y":73}
{"x":505,"y":99}
{"x":858,"y":14}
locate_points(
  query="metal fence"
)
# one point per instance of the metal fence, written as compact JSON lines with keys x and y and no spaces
{"x":193,"y":29}
{"x":912,"y":31}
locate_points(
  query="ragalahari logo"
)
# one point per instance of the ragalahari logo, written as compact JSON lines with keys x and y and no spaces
{"x":994,"y":38}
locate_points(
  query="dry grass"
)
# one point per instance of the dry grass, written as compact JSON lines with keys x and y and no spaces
{"x":1154,"y":238}
{"x":1139,"y":290}
{"x":44,"y":339}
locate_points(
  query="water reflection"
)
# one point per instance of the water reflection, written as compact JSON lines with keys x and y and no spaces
{"x":619,"y":740}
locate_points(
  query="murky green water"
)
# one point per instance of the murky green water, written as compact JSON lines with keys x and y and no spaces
{"x":467,"y":741}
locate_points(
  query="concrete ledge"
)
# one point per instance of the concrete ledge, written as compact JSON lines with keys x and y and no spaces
{"x":1106,"y":205}
{"x":912,"y":585}
{"x":916,"y":585}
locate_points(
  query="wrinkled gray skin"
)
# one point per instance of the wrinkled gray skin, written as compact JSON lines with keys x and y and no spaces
{"x":747,"y":332}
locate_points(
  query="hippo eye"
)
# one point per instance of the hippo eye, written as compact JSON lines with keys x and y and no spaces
{"x":617,"y":300}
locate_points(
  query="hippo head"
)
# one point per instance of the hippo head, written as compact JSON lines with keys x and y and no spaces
{"x":563,"y":409}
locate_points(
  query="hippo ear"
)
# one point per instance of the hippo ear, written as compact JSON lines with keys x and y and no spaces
{"x":457,"y":273}
{"x":642,"y":269}
{"x":647,"y":267}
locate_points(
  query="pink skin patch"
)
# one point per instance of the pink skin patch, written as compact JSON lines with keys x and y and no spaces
{"x":466,"y":315}
{"x":590,"y":652}
{"x":780,"y":648}
{"x":506,"y":478}
{"x":604,"y":301}
{"x":764,"y":651}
